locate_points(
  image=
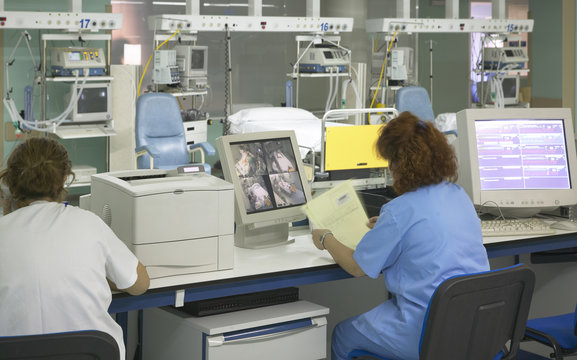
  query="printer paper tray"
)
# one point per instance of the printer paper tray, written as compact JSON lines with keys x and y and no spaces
{"x":178,"y":257}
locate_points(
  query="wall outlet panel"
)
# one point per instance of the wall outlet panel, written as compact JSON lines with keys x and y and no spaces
{"x":60,"y":20}
{"x":249,"y":23}
{"x":391,"y":25}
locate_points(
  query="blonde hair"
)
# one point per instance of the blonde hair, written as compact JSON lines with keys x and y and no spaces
{"x":37,"y":169}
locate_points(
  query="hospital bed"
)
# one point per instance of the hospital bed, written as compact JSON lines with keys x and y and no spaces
{"x":311,"y":133}
{"x":306,"y":125}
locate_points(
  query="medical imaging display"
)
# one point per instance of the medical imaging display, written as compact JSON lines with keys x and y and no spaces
{"x":522,"y":154}
{"x":268,"y":174}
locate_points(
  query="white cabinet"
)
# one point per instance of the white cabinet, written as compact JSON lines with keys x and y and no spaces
{"x":289,"y":331}
{"x":195,"y":131}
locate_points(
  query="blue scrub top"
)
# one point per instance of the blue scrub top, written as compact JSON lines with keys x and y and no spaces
{"x":420,"y":239}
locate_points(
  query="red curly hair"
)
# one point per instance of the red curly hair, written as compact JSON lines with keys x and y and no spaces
{"x":418,"y":153}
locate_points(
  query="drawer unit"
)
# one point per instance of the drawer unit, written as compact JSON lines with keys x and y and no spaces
{"x":289,"y":331}
{"x":195,"y":131}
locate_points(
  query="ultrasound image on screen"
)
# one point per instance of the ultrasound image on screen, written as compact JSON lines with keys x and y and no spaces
{"x":268,"y":174}
{"x":522,"y":154}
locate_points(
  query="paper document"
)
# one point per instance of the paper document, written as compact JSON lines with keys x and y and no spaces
{"x":341,"y":211}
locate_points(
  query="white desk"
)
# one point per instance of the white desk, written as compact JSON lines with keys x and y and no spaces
{"x":295,"y":264}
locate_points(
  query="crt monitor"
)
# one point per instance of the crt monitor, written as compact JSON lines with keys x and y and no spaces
{"x":506,"y":85}
{"x":510,"y":85}
{"x":192,"y":61}
{"x":269,"y":184}
{"x":517,"y":161}
{"x":94,"y":103}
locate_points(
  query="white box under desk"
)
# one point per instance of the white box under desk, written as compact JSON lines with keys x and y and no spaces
{"x":295,"y":330}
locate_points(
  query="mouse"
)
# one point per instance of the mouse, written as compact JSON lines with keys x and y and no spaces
{"x":564,"y":225}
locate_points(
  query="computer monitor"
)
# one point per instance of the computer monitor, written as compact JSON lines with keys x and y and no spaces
{"x":192,"y":61}
{"x":517,"y":161}
{"x":94,"y":103}
{"x":510,"y":85}
{"x":509,"y":88}
{"x":269,"y":184}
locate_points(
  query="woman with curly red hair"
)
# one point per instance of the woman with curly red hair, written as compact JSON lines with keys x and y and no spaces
{"x":429,"y":233}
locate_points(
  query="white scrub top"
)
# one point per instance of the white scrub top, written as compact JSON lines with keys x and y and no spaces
{"x":54,"y":261}
{"x":420,"y":239}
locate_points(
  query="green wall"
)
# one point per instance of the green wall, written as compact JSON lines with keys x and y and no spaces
{"x":450,"y":61}
{"x":545,"y":48}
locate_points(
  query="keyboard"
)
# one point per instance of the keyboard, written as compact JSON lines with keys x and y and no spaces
{"x":515,"y":227}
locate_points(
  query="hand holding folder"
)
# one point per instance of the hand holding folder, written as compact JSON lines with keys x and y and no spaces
{"x":340,"y":210}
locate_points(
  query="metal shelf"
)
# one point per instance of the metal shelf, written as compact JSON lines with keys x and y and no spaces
{"x":318,"y":75}
{"x":79,"y":184}
{"x":73,"y":78}
{"x":492,"y":71}
{"x":188,"y":93}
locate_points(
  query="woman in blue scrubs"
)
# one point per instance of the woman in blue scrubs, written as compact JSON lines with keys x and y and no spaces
{"x":429,"y":233}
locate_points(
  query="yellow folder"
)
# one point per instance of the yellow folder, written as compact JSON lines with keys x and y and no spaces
{"x":352,"y":147}
{"x":340,"y":210}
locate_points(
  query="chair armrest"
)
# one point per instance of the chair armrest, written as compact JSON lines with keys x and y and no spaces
{"x":206,"y":147}
{"x":146,"y":149}
{"x":543,"y":338}
{"x":151,"y":150}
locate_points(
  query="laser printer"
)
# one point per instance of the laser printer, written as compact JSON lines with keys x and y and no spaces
{"x":176,"y":222}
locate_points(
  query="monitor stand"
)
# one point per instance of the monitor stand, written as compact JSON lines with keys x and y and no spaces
{"x":250,"y":236}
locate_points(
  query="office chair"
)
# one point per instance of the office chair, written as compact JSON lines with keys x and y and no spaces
{"x":558,"y":332}
{"x":475,"y":317}
{"x":160,"y":137}
{"x":77,"y":345}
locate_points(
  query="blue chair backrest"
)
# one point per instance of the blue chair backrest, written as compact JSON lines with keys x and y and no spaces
{"x":159,"y":123}
{"x":415,"y":99}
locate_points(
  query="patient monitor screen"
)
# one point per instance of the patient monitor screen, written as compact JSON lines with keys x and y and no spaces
{"x":522,"y":154}
{"x":197,"y":59}
{"x":268,"y":174}
{"x":93,"y":100}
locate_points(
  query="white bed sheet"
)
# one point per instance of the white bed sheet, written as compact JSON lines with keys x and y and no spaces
{"x":308,"y":132}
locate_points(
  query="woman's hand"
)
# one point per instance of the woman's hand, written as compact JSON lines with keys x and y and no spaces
{"x":372,"y":222}
{"x":317,"y":233}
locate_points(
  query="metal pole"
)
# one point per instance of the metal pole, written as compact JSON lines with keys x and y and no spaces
{"x":227,"y":83}
{"x":431,"y":70}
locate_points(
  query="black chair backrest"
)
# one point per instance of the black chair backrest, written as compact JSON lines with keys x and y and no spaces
{"x":76,"y":345}
{"x":475,"y":316}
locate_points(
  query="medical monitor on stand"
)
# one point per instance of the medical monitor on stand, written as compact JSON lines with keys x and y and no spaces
{"x":192,"y":60}
{"x":94,"y":103}
{"x":510,"y":85}
{"x":269,"y":183}
{"x":517,"y":161}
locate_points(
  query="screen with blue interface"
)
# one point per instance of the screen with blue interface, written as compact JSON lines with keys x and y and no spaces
{"x":522,"y":154}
